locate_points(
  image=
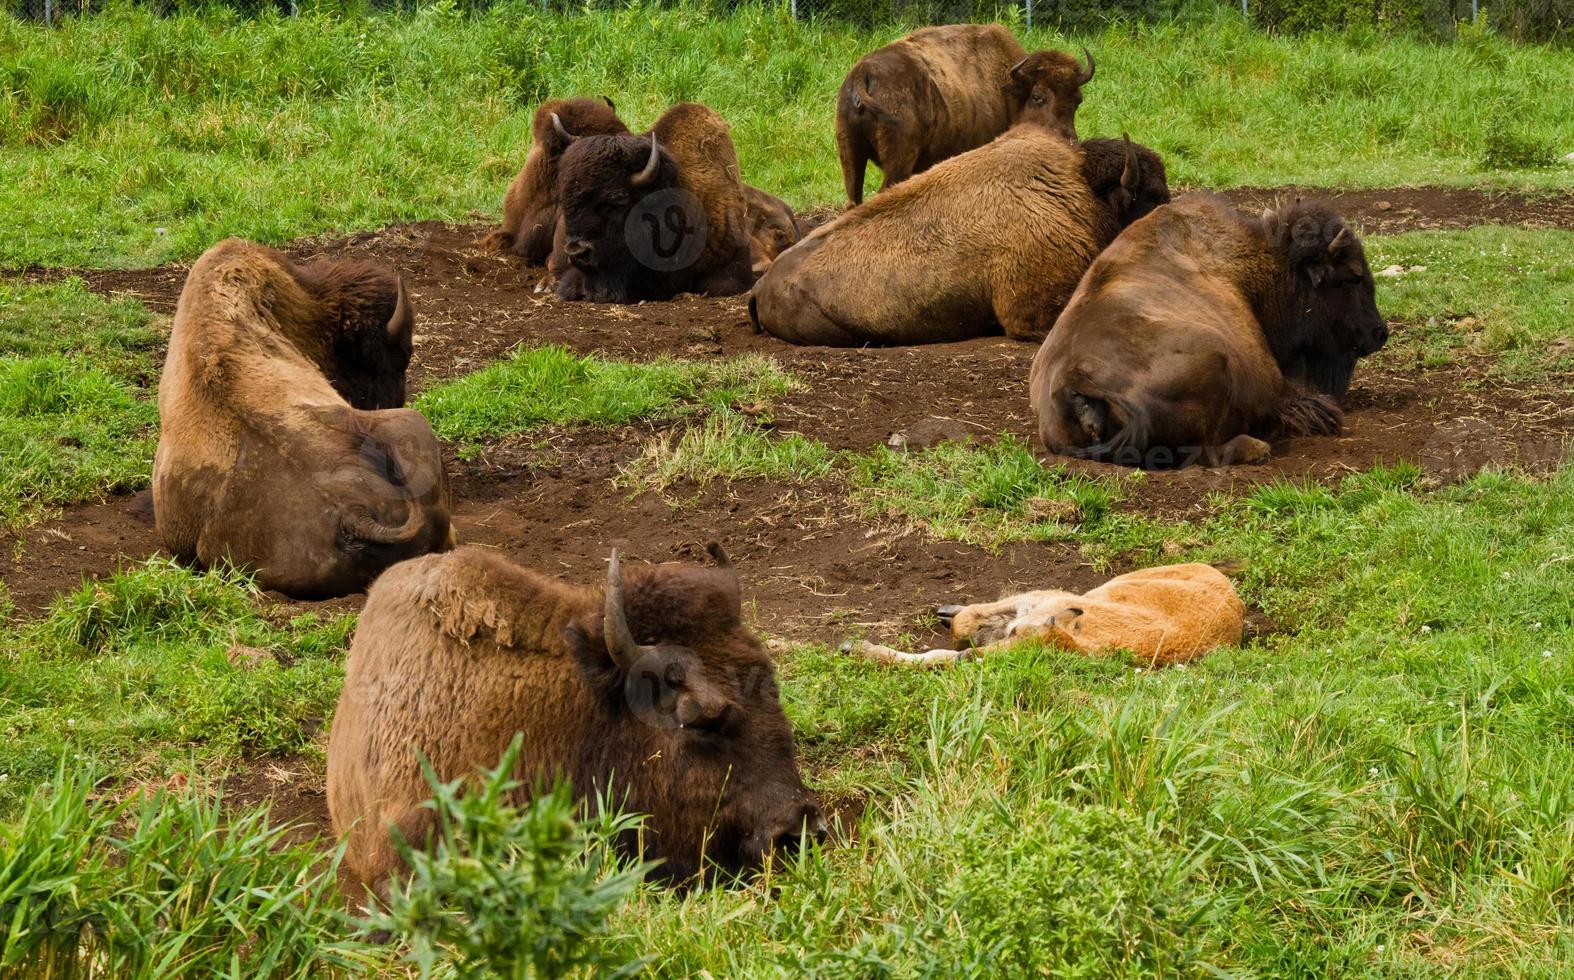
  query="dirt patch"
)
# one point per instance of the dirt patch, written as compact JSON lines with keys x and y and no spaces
{"x":293,"y":787}
{"x":1392,"y":210}
{"x":814,"y":567}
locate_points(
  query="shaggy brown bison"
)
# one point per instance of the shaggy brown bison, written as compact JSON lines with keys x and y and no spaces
{"x":996,"y":237}
{"x":648,"y":217}
{"x":1202,"y":331}
{"x":280,"y":447}
{"x":652,"y":694}
{"x":530,"y":206}
{"x":772,"y":227}
{"x":941,"y":91}
{"x":1164,"y":615}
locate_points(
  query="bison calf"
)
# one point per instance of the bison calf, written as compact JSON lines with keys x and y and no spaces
{"x":281,"y":447}
{"x":994,"y":238}
{"x":1164,"y":615}
{"x":530,"y":207}
{"x":1202,"y":332}
{"x":648,"y":217}
{"x":652,"y":694}
{"x":941,"y":91}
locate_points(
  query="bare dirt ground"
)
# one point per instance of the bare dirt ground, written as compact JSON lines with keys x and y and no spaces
{"x":815,"y":568}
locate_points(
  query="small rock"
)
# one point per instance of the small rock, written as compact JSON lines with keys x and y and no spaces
{"x":1385,"y":206}
{"x":1393,"y":272}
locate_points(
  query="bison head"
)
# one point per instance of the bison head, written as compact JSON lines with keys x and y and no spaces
{"x":696,"y":733}
{"x":557,"y":122}
{"x":627,"y":225}
{"x":1127,"y":177}
{"x":1045,"y":89}
{"x":362,"y":309}
{"x":1332,"y":316}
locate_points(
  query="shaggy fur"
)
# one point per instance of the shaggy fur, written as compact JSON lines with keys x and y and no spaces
{"x":1046,"y":88}
{"x":994,"y":238}
{"x":530,"y":207}
{"x":1202,"y":332}
{"x":772,"y":227}
{"x":612,"y":229}
{"x":456,"y":653}
{"x":924,"y":98}
{"x":262,"y":461}
{"x":1165,"y":615}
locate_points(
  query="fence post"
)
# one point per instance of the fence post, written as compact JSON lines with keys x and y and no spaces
{"x":1474,"y":4}
{"x":1030,"y":14}
{"x":1244,"y":14}
{"x":49,"y":13}
{"x":794,"y":6}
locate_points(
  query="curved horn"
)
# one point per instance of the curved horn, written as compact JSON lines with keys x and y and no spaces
{"x":562,"y":131}
{"x":1130,"y":175}
{"x":1017,"y":68}
{"x":1339,"y":240}
{"x":719,"y":555}
{"x":1087,"y":75}
{"x":401,"y":314}
{"x":620,"y":641}
{"x":644,"y":177}
{"x":610,"y":104}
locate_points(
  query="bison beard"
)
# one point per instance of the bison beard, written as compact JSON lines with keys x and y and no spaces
{"x":262,"y":462}
{"x":648,"y":217}
{"x":1200,"y":333}
{"x":995,"y":238}
{"x":651,"y":694}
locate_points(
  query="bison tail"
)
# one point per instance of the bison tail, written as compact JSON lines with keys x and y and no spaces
{"x":1119,"y":425}
{"x":1304,"y":412}
{"x":864,"y":102}
{"x":364,"y":527}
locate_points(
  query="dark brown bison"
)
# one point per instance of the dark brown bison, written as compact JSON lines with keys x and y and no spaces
{"x":996,"y":237}
{"x":281,"y":447}
{"x":648,"y":217}
{"x":1202,"y":332}
{"x":530,"y":206}
{"x":652,"y":694}
{"x":941,"y":91}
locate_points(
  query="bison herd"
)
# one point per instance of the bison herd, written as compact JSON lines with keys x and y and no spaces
{"x":1169,"y":332}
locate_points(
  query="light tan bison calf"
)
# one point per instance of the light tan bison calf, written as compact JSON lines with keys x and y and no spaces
{"x":1164,"y":615}
{"x":652,"y":693}
{"x":280,"y":447}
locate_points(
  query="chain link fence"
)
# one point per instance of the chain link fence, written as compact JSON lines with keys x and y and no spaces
{"x":1531,"y":20}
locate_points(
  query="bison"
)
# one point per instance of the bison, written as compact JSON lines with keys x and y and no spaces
{"x":772,"y":227}
{"x":941,"y":91}
{"x":1201,"y":332}
{"x":530,"y":207}
{"x":994,"y":238}
{"x":1164,"y":615}
{"x":652,"y":694}
{"x":282,"y":449}
{"x":648,"y":217}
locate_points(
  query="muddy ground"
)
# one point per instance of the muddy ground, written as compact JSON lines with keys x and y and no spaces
{"x":814,"y":567}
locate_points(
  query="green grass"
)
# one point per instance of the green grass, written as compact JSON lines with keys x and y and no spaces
{"x":134,"y":674}
{"x":1493,"y":290}
{"x":131,"y":138}
{"x":77,"y":412}
{"x":537,"y":386}
{"x":727,"y":446}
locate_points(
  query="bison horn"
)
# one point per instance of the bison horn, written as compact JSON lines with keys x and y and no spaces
{"x":1087,"y":74}
{"x":1130,"y":176}
{"x":644,"y":177}
{"x":620,"y":641}
{"x":610,"y":104}
{"x":562,"y":131}
{"x":1338,"y":242}
{"x":1016,"y":70}
{"x":399,"y":321}
{"x":719,"y":555}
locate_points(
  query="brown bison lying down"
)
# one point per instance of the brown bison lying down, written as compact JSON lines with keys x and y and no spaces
{"x":994,"y":238}
{"x":530,"y":206}
{"x":281,"y":449}
{"x":941,"y":91}
{"x":648,"y":217}
{"x":1201,"y":332}
{"x":1162,"y":615}
{"x":652,"y":694}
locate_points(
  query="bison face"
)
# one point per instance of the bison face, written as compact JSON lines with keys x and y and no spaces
{"x":1045,"y":89}
{"x":613,"y":194}
{"x":1334,"y":313}
{"x":707,"y":750}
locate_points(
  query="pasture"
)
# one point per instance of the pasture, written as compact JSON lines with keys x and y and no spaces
{"x":1379,"y":781}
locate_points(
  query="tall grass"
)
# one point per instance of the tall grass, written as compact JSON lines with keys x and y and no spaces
{"x":132,"y":138}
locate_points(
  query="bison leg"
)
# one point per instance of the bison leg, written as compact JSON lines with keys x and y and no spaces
{"x":1242,"y":450}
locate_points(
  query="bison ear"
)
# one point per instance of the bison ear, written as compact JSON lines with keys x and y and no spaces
{"x":598,"y":670}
